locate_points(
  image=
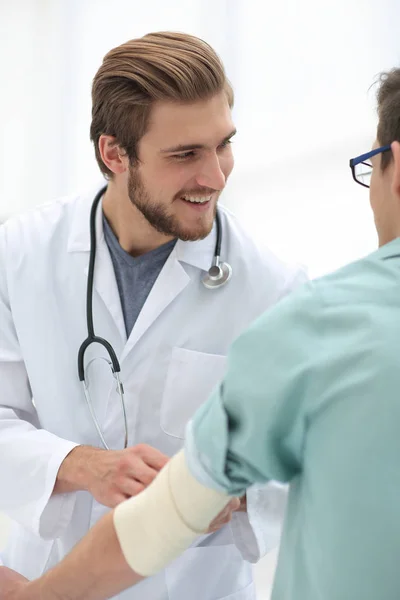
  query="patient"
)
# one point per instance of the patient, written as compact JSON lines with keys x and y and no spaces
{"x":311,"y":397}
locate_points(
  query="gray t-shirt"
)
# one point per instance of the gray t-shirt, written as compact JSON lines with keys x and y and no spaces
{"x":135,"y":275}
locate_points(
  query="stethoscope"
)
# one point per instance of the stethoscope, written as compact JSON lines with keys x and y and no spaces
{"x":218,"y":275}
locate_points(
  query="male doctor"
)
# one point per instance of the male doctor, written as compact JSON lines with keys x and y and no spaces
{"x":162,"y":130}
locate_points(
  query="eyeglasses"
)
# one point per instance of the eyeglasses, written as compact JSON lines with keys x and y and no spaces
{"x":361,"y":166}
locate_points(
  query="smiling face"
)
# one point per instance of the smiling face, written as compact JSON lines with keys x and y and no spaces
{"x":185,"y":159}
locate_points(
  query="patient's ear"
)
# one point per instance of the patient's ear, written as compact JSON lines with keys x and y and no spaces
{"x":396,"y":169}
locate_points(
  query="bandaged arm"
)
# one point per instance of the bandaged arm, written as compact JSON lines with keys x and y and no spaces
{"x":140,"y":537}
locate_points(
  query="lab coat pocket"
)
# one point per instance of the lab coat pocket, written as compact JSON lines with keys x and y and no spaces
{"x":191,"y":378}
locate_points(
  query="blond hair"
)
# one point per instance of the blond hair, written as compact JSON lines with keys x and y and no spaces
{"x":162,"y":66}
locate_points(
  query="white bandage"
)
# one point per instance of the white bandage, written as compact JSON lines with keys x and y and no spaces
{"x":157,"y":525}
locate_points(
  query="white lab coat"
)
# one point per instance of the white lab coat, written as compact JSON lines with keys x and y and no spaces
{"x":173,"y":358}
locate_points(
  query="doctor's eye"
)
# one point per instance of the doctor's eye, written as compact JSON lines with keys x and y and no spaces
{"x":184,"y":155}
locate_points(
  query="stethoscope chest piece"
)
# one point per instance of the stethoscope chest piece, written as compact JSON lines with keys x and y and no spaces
{"x":220,"y":272}
{"x":218,"y":275}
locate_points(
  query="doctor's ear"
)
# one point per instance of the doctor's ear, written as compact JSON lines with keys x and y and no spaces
{"x":112,"y":155}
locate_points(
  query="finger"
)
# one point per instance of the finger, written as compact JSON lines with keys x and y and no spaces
{"x":216,"y":525}
{"x":223,"y":517}
{"x":218,"y":519}
{"x":225,"y":511}
{"x":134,"y":467}
{"x":132,"y":488}
{"x":234,"y":504}
{"x":215,"y":529}
{"x":152,"y":457}
{"x":117,"y":499}
{"x":143,"y":473}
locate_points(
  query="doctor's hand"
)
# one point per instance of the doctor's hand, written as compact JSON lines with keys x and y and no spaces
{"x":116,"y":475}
{"x":111,"y":476}
{"x":224,"y":516}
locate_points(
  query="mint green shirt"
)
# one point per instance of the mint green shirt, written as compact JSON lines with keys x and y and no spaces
{"x":312,"y":397}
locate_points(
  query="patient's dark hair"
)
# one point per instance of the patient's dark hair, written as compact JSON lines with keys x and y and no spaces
{"x":388,"y":96}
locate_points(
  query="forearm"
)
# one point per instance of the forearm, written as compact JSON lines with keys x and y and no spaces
{"x":95,"y":569}
{"x":73,"y":474}
{"x":149,"y":530}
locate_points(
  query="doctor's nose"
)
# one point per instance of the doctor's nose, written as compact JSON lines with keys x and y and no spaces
{"x":211,"y":175}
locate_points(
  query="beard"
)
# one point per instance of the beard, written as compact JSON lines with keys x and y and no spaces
{"x":158,"y":216}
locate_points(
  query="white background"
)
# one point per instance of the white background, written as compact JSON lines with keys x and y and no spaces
{"x":301,"y":72}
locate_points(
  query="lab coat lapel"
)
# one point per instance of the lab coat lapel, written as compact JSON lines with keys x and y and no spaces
{"x":105,"y":284}
{"x":169,"y":284}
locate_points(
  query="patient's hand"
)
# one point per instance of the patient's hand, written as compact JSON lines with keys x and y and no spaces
{"x":223,"y":518}
{"x":12,"y":584}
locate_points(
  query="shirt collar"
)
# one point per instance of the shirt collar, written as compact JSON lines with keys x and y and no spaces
{"x":389,"y":250}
